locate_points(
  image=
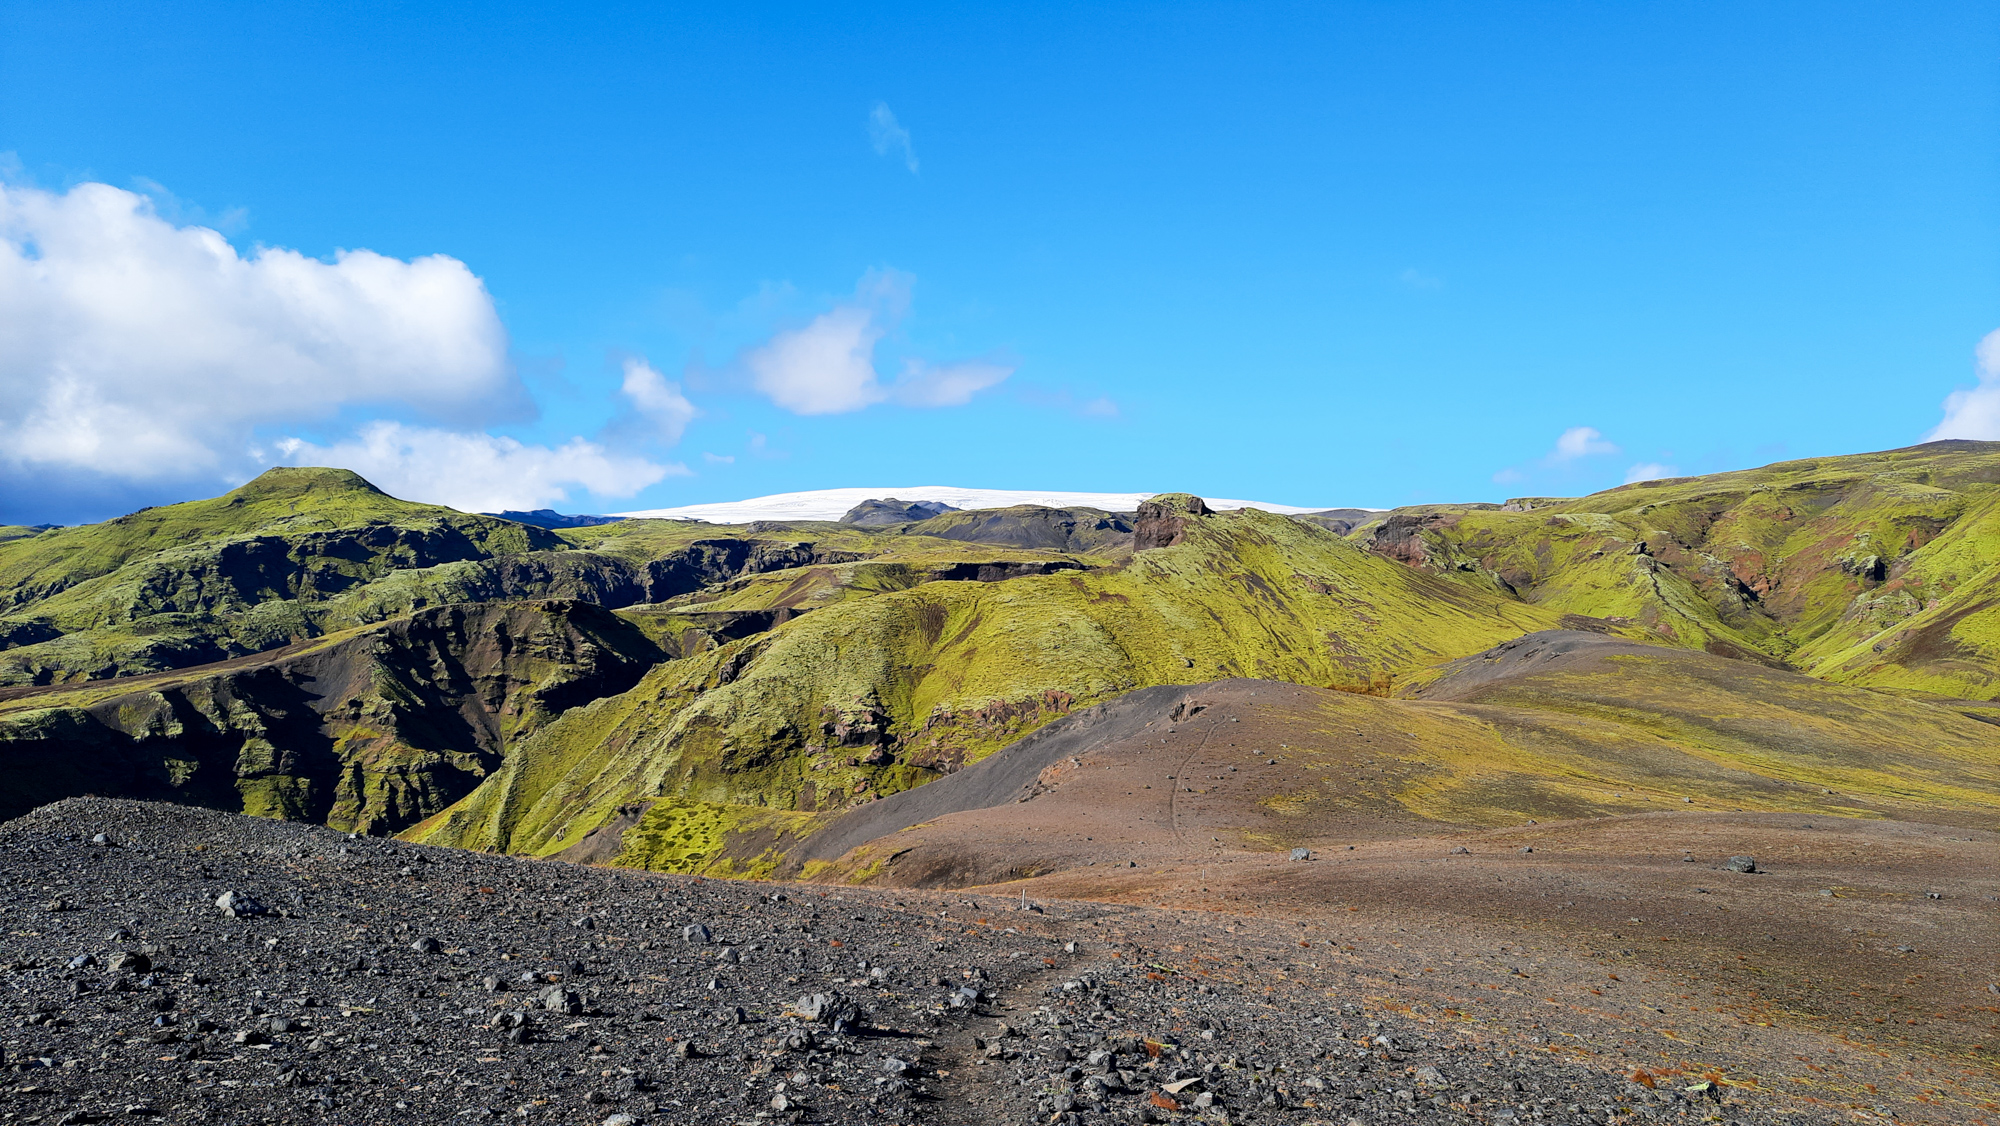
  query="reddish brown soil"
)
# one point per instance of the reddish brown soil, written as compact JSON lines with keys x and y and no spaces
{"x":1833,"y":977}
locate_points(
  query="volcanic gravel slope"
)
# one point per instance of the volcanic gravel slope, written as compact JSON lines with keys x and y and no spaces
{"x":388,"y":982}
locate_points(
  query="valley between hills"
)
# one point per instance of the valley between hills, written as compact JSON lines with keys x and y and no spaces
{"x":1693,"y":783}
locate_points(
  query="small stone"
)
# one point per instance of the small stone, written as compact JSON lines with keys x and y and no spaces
{"x":695,"y":933}
{"x":1302,"y":854}
{"x":1741,"y":864}
{"x":82,"y":961}
{"x":1461,"y":850}
{"x":621,"y":1120}
{"x":556,"y":999}
{"x":427,"y":945}
{"x":252,"y":1036}
{"x":686,"y":1050}
{"x":237,"y":905}
{"x":101,"y":839}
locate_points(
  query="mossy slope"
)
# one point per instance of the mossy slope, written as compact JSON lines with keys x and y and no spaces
{"x":878,"y":694}
{"x":1869,"y":569}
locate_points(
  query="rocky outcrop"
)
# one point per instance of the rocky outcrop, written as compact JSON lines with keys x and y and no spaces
{"x":882,"y":513}
{"x":1032,"y":526}
{"x":1163,"y":520}
{"x":1401,"y":538}
{"x":372,"y":732}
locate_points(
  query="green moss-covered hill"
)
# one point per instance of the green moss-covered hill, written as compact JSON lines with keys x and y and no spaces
{"x":872,"y":695}
{"x":309,"y":647}
{"x":709,"y":693}
{"x":1871,"y":569}
{"x":299,"y":553}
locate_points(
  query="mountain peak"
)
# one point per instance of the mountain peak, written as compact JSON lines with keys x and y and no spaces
{"x":289,"y":480}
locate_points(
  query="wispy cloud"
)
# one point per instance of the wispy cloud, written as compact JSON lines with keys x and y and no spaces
{"x":827,"y":366}
{"x":1417,"y":279}
{"x":1062,"y":399}
{"x":1648,"y":471}
{"x":1974,"y":412}
{"x":658,"y":399}
{"x":1578,"y":442}
{"x":888,"y":135}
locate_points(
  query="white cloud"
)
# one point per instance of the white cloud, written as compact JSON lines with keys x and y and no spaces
{"x":828,"y":365}
{"x":1578,"y":442}
{"x":142,"y":350}
{"x":1648,"y":471}
{"x":659,"y":399}
{"x":1975,"y":412}
{"x":888,"y":135}
{"x":945,"y":385}
{"x":478,"y":472}
{"x":1417,"y":279}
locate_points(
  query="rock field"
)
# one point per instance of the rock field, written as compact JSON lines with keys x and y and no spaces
{"x":173,"y":964}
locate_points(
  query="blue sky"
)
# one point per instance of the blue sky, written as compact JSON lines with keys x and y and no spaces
{"x":1330,"y":254}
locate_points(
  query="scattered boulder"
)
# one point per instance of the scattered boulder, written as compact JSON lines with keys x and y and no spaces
{"x":1741,"y":864}
{"x":130,"y":962}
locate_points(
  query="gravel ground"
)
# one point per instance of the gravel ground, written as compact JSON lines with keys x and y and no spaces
{"x":370,"y":981}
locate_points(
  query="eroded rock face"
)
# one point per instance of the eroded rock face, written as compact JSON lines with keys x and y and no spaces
{"x":1163,"y":520}
{"x":1401,"y":538}
{"x":372,"y":733}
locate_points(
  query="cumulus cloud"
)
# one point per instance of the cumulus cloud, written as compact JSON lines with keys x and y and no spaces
{"x":1975,"y":412}
{"x":827,"y":366}
{"x":137,"y":349}
{"x":1579,"y":442}
{"x":888,"y":135}
{"x":139,"y":354}
{"x":658,"y":399}
{"x":478,"y":472}
{"x":1648,"y":471}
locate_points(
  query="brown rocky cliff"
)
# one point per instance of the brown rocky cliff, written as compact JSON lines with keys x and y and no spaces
{"x":1163,"y":520}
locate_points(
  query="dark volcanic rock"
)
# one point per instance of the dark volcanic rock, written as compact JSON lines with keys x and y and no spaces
{"x":889,"y":510}
{"x":1028,"y":525}
{"x":841,"y":1005}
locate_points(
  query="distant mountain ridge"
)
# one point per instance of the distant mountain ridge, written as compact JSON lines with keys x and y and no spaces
{"x":831,"y":504}
{"x":550,"y":518}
